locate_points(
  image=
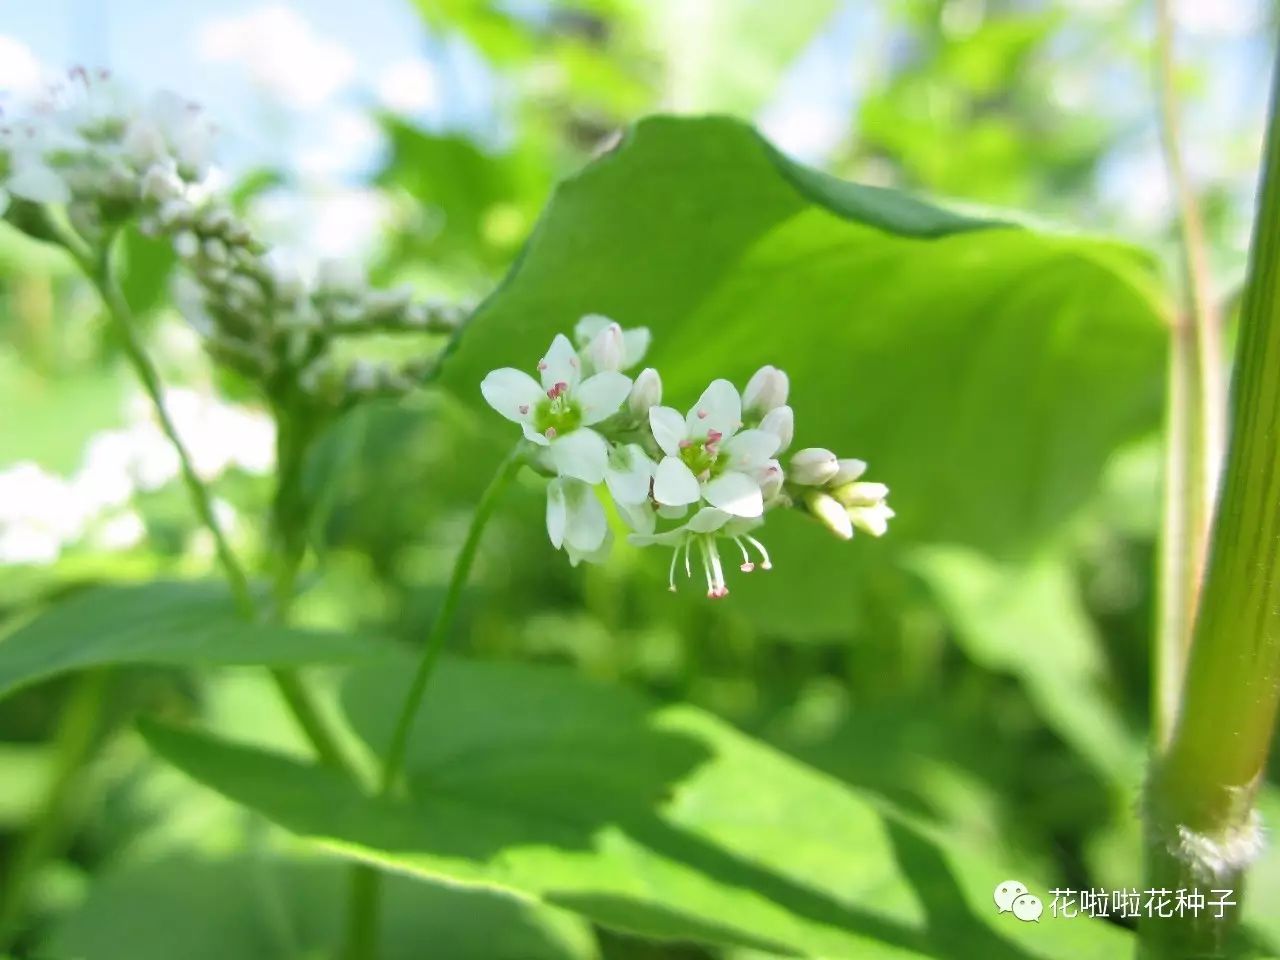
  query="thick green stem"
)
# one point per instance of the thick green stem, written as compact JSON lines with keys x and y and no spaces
{"x":1197,"y":413}
{"x":1201,"y":829}
{"x":73,"y":744}
{"x":364,"y":893}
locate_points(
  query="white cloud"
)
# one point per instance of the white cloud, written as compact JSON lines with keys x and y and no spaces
{"x":409,"y":86}
{"x":281,"y":52}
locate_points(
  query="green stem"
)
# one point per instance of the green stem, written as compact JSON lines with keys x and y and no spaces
{"x":103,"y":279}
{"x":364,"y":892}
{"x":394,"y":760}
{"x":73,"y":744}
{"x":1201,"y":829}
{"x":1197,"y":413}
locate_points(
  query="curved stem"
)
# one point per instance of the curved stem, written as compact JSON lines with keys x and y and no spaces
{"x":77,"y":732}
{"x":1197,"y":412}
{"x":362,"y":913}
{"x":394,"y":759}
{"x":101,"y":275}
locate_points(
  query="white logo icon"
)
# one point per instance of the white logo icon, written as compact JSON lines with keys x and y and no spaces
{"x":1028,"y":907}
{"x":1006,"y":893}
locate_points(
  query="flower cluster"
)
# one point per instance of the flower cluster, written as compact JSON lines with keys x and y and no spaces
{"x":690,"y":481}
{"x":109,"y":160}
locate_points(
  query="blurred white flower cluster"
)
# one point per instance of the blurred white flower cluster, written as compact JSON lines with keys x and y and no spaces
{"x":42,"y":513}
{"x":108,"y":160}
{"x":86,"y":144}
{"x":690,"y":480}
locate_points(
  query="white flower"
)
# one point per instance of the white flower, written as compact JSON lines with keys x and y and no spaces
{"x":629,"y":473}
{"x":558,"y":414}
{"x":606,"y":346}
{"x":576,"y":520}
{"x":702,"y":532}
{"x":707,"y":458}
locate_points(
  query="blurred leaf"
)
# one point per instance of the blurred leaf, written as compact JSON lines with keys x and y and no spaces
{"x":189,"y":624}
{"x":1030,"y":621}
{"x":985,"y":372}
{"x":257,"y":909}
{"x":664,"y":822}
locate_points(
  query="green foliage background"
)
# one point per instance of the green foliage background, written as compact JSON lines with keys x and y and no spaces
{"x":845,"y":757}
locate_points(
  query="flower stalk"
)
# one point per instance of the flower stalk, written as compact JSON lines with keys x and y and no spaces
{"x":1201,"y":825}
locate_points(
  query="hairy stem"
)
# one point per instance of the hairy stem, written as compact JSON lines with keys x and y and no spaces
{"x":1197,"y":412}
{"x":364,"y":892}
{"x":73,"y":744}
{"x":1201,"y":825}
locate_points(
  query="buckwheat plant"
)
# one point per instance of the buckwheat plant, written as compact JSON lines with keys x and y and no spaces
{"x":693,"y":481}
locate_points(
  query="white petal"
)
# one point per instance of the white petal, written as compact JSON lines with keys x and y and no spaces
{"x":589,"y":327}
{"x":585,"y":524}
{"x":674,"y":483}
{"x":672,"y":513}
{"x":735,"y":493}
{"x":640,"y":517}
{"x":635,"y":344}
{"x":560,"y":365}
{"x":602,"y":395}
{"x":668,"y":429}
{"x":513,"y":393}
{"x":582,"y":454}
{"x":782,"y":422}
{"x":533,"y":435}
{"x":599,"y":555}
{"x":707,"y":520}
{"x":628,"y":474}
{"x":719,"y":409}
{"x":556,"y":512}
{"x":751,"y":449}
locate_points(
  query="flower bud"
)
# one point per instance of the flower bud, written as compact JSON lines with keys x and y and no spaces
{"x":186,"y":244}
{"x":766,"y":390}
{"x":781,"y":422}
{"x":828,"y":511}
{"x":860,"y":494}
{"x":770,"y":480}
{"x":646,"y":392}
{"x":606,"y":350}
{"x":814,"y":466}
{"x":873,"y":519}
{"x":850,"y":470}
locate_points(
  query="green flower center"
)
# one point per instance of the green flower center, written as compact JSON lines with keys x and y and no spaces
{"x":557,"y":414}
{"x":704,"y":458}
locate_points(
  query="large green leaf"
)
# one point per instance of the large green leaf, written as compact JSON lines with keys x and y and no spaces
{"x":664,"y":822}
{"x":254,"y":908}
{"x":176,"y":623}
{"x":986,"y":370}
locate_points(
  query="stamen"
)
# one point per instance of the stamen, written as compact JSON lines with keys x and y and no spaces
{"x":688,"y":570}
{"x":747,"y":565}
{"x":706,"y":568}
{"x":721,"y":589}
{"x":702,"y":414}
{"x":542,"y":365}
{"x":765,"y":563}
{"x":686,"y":444}
{"x":714,"y":436}
{"x":671,"y":572}
{"x":524,"y":409}
{"x":551,"y":433}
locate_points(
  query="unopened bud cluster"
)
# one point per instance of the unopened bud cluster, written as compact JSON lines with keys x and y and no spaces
{"x":110,"y":160}
{"x":693,"y":481}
